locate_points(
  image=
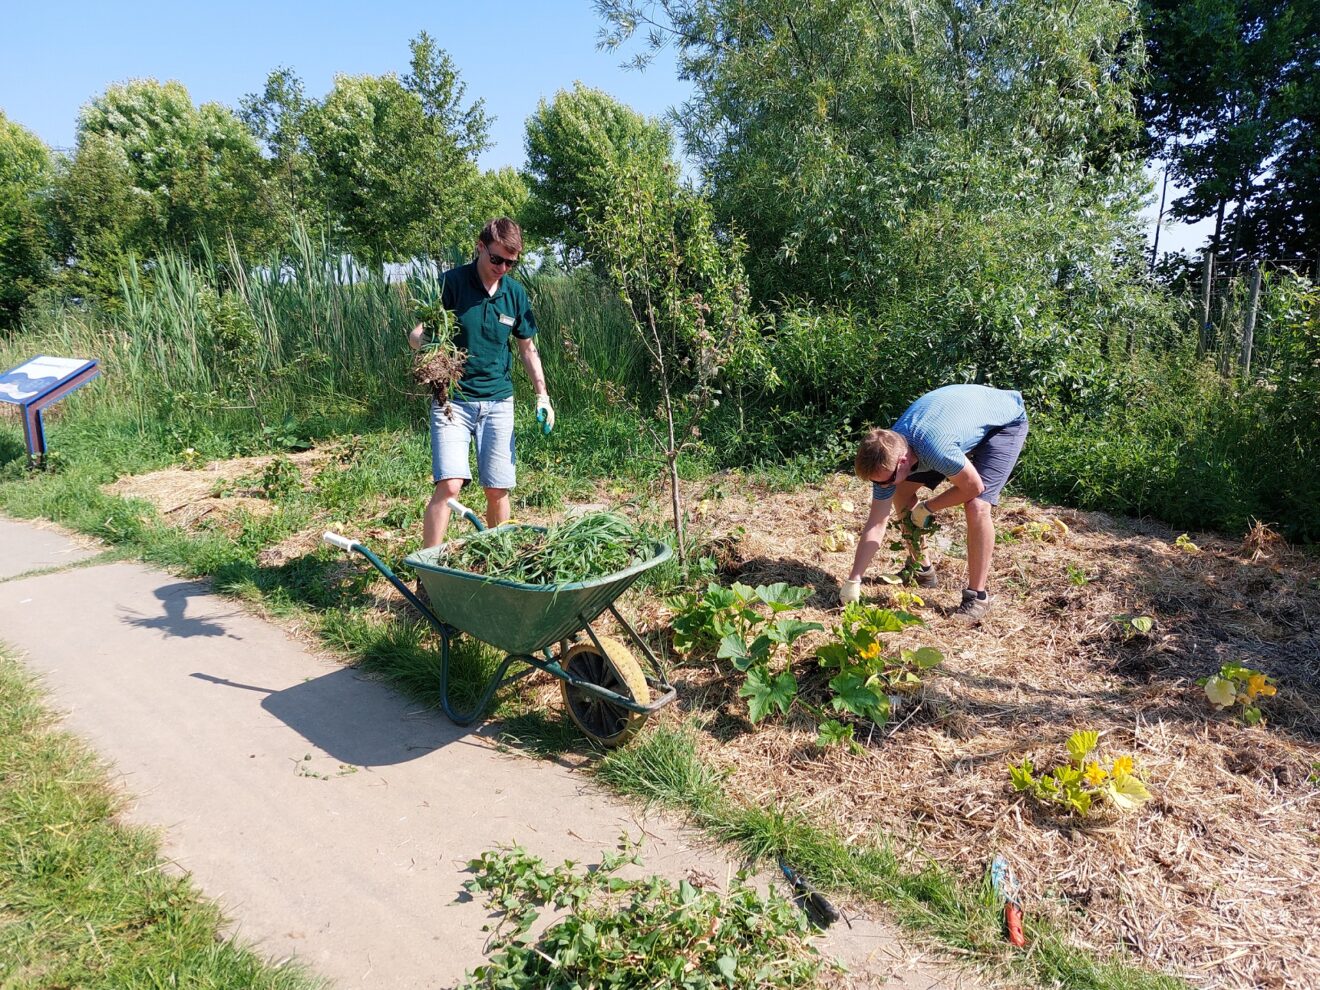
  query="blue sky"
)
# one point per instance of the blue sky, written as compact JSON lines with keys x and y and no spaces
{"x":54,"y":57}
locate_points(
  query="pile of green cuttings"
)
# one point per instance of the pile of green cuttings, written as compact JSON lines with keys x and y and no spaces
{"x":590,"y":546}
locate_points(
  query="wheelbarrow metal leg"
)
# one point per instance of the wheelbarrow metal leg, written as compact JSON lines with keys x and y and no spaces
{"x":496,"y":682}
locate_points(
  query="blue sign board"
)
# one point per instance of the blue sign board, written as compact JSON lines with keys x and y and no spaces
{"x":38,"y":383}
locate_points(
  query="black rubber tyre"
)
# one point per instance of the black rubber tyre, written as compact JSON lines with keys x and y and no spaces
{"x":604,"y":721}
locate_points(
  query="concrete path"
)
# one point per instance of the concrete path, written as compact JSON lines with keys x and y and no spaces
{"x":330,"y":817}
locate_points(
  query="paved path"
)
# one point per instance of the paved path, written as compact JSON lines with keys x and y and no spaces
{"x":329,"y":816}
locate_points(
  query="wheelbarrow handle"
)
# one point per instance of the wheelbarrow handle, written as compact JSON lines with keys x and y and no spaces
{"x":456,"y":506}
{"x":335,"y":540}
{"x":352,"y":546}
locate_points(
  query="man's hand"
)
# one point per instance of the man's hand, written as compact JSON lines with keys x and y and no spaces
{"x":545,"y":413}
{"x":851,"y":591}
{"x":417,"y":337}
{"x":921,"y":515}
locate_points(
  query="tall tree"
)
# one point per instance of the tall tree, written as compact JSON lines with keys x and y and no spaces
{"x":961,"y":169}
{"x":576,"y":145}
{"x":100,"y":217}
{"x":1231,"y":103}
{"x":25,"y":180}
{"x":276,"y":118}
{"x":152,"y":171}
{"x":396,"y":160}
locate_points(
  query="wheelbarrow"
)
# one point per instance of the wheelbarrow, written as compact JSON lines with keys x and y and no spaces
{"x":605,"y":690}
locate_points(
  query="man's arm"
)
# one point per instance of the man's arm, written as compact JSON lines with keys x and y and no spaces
{"x":872,"y":533}
{"x":531,"y":360}
{"x":417,"y":336}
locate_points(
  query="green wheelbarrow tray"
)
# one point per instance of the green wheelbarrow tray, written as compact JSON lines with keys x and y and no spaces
{"x":605,"y":690}
{"x":516,"y":617}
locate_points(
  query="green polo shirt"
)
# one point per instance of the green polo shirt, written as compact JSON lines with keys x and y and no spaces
{"x":485,"y":323}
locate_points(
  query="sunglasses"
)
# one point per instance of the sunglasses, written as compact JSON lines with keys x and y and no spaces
{"x":499,"y":262}
{"x":893,"y":477}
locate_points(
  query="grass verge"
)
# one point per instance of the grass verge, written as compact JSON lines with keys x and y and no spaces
{"x":85,"y":901}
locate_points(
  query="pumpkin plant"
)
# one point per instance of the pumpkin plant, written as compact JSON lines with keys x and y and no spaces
{"x":1236,"y":684}
{"x":1079,"y":783}
{"x":865,"y":678}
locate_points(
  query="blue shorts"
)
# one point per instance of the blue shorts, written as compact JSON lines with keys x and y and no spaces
{"x":452,"y":433}
{"x":994,"y":459}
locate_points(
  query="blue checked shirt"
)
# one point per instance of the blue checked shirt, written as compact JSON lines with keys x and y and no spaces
{"x":943,"y":426}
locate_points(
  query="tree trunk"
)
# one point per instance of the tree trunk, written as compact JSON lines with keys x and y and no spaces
{"x":676,"y":505}
{"x":1159,"y":221}
{"x":1203,"y":328}
{"x":1249,"y":325}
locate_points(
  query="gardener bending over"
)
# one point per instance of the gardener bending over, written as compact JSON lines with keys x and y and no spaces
{"x":491,"y":307}
{"x":971,"y":435}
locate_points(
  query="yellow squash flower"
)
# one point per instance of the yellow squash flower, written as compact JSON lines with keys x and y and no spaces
{"x":870,"y":652}
{"x":1094,"y":774}
{"x":1256,"y":685}
{"x":1122,"y":766}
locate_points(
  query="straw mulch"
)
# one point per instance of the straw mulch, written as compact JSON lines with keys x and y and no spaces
{"x":185,"y":496}
{"x":1218,"y":877}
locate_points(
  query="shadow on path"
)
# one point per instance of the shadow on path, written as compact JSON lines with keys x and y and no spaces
{"x":355,"y":720}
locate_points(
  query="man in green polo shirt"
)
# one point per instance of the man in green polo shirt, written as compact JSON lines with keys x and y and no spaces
{"x":491,"y":307}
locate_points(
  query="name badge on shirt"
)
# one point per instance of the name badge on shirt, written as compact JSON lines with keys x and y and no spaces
{"x":508,"y":321}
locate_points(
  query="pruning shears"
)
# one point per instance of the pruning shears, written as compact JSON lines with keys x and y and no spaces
{"x":1008,"y":890}
{"x":541,"y":418}
{"x":817,"y":906}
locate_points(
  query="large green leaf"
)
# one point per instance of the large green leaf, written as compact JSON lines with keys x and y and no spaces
{"x":764,"y":691}
{"x":853,"y":693}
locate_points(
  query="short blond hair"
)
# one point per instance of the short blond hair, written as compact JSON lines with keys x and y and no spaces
{"x":878,"y":453}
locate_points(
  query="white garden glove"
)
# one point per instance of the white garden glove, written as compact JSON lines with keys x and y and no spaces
{"x":851,"y":591}
{"x":921,"y":515}
{"x":545,"y":413}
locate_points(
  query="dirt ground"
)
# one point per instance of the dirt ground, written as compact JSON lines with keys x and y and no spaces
{"x":1217,"y":877}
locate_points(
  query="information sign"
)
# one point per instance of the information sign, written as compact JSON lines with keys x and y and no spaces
{"x":38,"y":383}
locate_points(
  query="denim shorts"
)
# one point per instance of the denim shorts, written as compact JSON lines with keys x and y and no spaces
{"x":452,"y":433}
{"x":994,"y":459}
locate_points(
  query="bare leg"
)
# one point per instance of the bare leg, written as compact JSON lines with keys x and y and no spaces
{"x":980,"y":542}
{"x":497,"y":506}
{"x":435,"y":521}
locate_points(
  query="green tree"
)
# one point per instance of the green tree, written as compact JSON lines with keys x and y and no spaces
{"x":196,"y":170}
{"x":396,"y":160}
{"x":276,"y":118}
{"x":575,"y":145}
{"x":501,"y":192}
{"x":100,"y":219}
{"x":1232,"y":103}
{"x":683,"y":283}
{"x":25,"y":178}
{"x":965,"y":173}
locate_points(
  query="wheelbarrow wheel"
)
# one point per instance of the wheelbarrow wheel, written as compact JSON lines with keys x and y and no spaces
{"x":606,"y":722}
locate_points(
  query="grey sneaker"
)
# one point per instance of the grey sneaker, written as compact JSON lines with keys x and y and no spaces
{"x":972,"y":609}
{"x":926,"y":577}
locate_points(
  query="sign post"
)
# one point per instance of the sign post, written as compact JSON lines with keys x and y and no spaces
{"x":38,"y":383}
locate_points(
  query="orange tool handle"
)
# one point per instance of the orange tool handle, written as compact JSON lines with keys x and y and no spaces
{"x":1013,"y":922}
